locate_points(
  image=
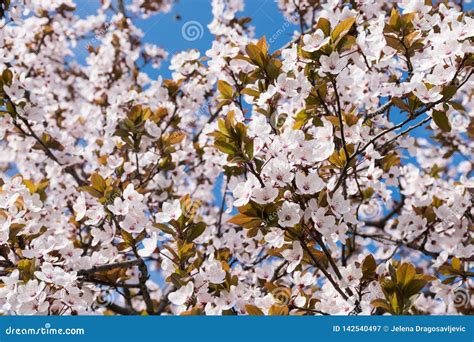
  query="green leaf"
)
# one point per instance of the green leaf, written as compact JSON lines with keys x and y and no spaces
{"x":98,"y":182}
{"x":324,"y":25}
{"x":225,"y":147}
{"x":341,"y":29}
{"x":255,"y":54}
{"x":15,"y":229}
{"x":176,"y":137}
{"x":225,"y":89}
{"x":7,"y":76}
{"x":93,"y":192}
{"x":369,"y":265}
{"x":164,"y":228}
{"x":242,"y":220}
{"x":449,"y":280}
{"x":395,"y":20}
{"x":278,"y":310}
{"x":250,"y":91}
{"x":449,"y":91}
{"x":301,"y":119}
{"x":346,"y":43}
{"x":128,"y":238}
{"x":368,"y":192}
{"x":405,"y":274}
{"x":381,"y":303}
{"x":252,"y":310}
{"x":249,"y":149}
{"x":414,"y":287}
{"x":27,"y":268}
{"x":262,"y":45}
{"x":400,"y":104}
{"x":441,"y":120}
{"x":195,"y":230}
{"x":394,"y":43}
{"x":456,"y":263}
{"x":395,"y":303}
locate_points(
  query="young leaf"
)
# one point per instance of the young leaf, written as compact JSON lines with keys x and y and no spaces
{"x":441,"y":120}
{"x":225,"y":89}
{"x":252,"y":310}
{"x":405,"y":273}
{"x":341,"y":29}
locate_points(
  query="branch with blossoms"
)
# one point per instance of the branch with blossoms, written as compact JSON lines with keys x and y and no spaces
{"x":330,"y":176}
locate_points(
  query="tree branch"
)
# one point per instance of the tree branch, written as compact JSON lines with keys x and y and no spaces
{"x":102,"y":268}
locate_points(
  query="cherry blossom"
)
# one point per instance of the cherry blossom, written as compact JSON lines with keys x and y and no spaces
{"x":332,"y":169}
{"x":182,"y":295}
{"x":332,"y":64}
{"x":314,"y":41}
{"x":293,"y":256}
{"x":171,"y":211}
{"x":289,"y":214}
{"x":309,"y":184}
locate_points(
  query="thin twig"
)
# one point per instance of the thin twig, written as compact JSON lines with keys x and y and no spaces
{"x":108,"y":267}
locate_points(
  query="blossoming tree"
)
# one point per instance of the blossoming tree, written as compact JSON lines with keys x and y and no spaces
{"x":327,"y":202}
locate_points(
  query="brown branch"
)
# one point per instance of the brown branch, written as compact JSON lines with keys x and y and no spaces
{"x":341,"y":122}
{"x":409,"y":129}
{"x":343,"y":138}
{"x":379,"y":111}
{"x":142,"y":279}
{"x":31,"y":133}
{"x":252,"y":171}
{"x":121,"y":310}
{"x":221,"y":210}
{"x":164,"y":301}
{"x":321,"y":267}
{"x":121,"y":7}
{"x":92,"y":280}
{"x":415,"y":115}
{"x":400,"y":125}
{"x":108,"y":267}
{"x":276,"y":273}
{"x":319,"y":239}
{"x":411,"y":245}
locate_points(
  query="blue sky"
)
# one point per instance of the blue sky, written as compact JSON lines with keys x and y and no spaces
{"x":165,"y":29}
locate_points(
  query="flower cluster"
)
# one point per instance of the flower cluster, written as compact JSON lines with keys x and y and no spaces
{"x":253,"y":181}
